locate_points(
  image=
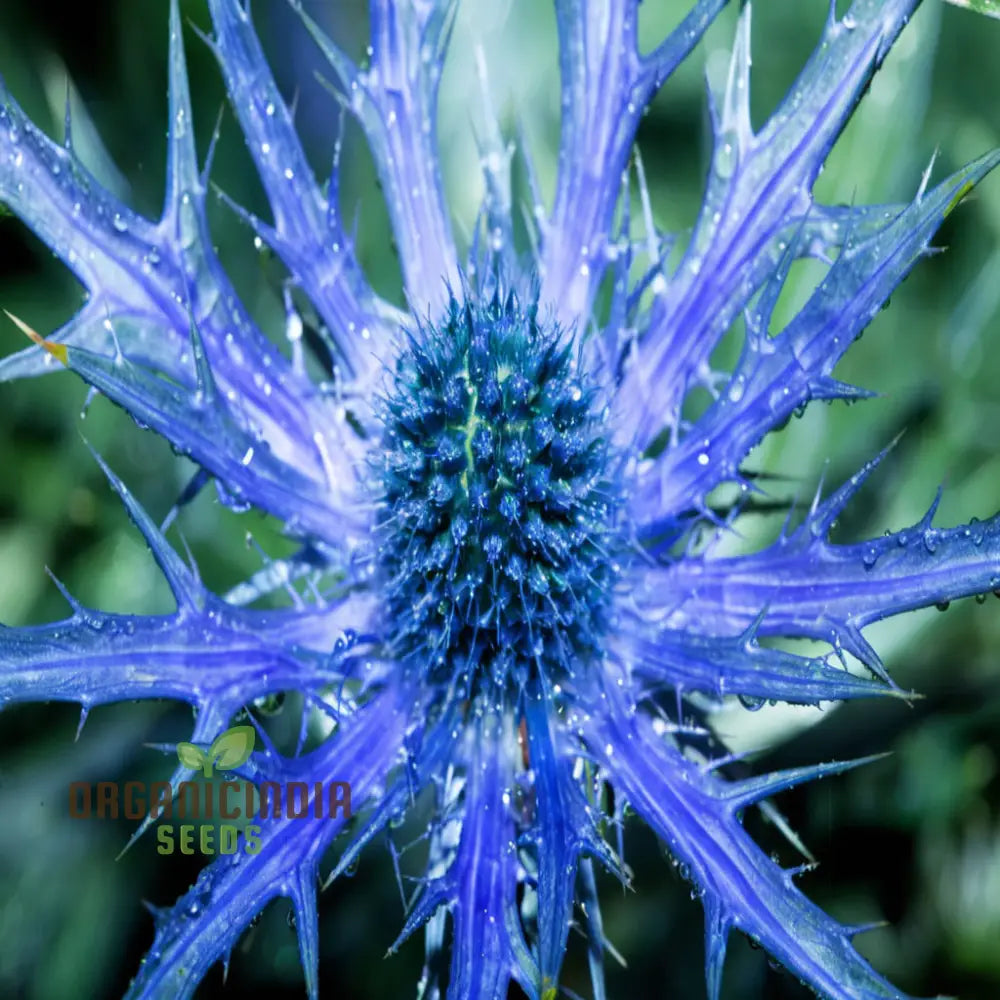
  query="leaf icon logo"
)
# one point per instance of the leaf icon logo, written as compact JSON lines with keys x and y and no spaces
{"x":193,"y":757}
{"x":229,"y":750}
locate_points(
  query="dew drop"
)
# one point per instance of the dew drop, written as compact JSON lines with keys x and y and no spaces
{"x":725,"y":159}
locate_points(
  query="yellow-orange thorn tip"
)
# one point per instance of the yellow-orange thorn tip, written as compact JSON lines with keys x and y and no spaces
{"x":58,"y":351}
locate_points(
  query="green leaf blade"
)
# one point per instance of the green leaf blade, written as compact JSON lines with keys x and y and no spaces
{"x":991,"y":8}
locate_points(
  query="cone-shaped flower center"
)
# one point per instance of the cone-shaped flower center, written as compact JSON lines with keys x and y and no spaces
{"x":497,"y":500}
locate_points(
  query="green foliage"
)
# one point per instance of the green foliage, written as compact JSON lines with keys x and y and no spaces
{"x":991,"y":8}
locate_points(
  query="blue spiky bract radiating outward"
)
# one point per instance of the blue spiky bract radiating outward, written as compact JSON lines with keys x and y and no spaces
{"x":500,"y":487}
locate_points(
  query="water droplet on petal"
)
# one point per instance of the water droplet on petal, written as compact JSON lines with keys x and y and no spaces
{"x":725,"y":158}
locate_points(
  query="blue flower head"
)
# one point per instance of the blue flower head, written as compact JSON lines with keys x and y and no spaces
{"x":499,"y":497}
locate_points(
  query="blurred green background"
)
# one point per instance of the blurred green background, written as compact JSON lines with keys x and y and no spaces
{"x":913,"y":839}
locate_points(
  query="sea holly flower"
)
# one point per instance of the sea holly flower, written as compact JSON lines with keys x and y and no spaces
{"x":501,"y":503}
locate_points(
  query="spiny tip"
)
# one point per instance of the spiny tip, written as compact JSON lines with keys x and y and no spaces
{"x":58,"y":351}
